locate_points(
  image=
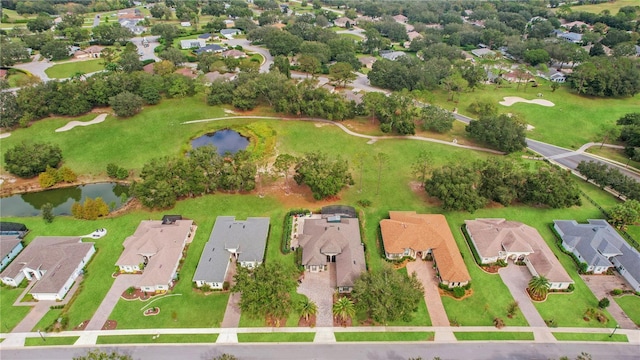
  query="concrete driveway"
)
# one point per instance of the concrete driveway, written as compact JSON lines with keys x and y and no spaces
{"x":319,"y":287}
{"x":122,"y":283}
{"x":427,"y":276}
{"x":601,"y":286}
{"x":517,"y":279}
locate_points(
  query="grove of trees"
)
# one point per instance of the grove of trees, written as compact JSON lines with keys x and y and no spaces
{"x":29,"y":159}
{"x":324,"y":176}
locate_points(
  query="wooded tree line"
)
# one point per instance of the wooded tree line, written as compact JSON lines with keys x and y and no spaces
{"x":606,"y":176}
{"x":77,"y":96}
{"x":630,"y":134}
{"x":471,"y":186}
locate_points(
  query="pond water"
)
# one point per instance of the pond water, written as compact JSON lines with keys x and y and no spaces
{"x":29,"y":204}
{"x":225,"y":141}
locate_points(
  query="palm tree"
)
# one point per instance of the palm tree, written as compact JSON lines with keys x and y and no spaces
{"x":539,"y":287}
{"x":307,"y":308}
{"x":344,"y":309}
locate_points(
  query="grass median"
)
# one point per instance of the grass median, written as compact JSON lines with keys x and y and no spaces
{"x":157,"y":339}
{"x":493,"y":335}
{"x":590,"y":337}
{"x":51,"y":341}
{"x":276,"y":337}
{"x":384,"y":336}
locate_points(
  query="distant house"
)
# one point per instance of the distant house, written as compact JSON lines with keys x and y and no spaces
{"x":52,"y":262}
{"x":233,"y":53}
{"x":10,"y":247}
{"x":600,"y":246}
{"x":245,"y":241}
{"x":73,"y":49}
{"x":188,"y":72}
{"x":192,"y":44}
{"x":367,"y":61}
{"x":344,"y":22}
{"x":149,"y":68}
{"x":575,"y":38}
{"x":352,"y":96}
{"x":131,"y":23}
{"x":230,"y":33}
{"x":213,"y":48}
{"x":413,"y":35}
{"x":229,"y":23}
{"x":154,"y":252}
{"x":93,"y":51}
{"x":333,"y":238}
{"x":499,"y":239}
{"x":185,"y":24}
{"x":205,"y":36}
{"x":212,"y":77}
{"x":408,"y":234}
{"x":401,"y":18}
{"x":557,"y":76}
{"x":483,"y":52}
{"x":392,"y":55}
{"x":12,"y":228}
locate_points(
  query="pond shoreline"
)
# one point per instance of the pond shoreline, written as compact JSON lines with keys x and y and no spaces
{"x":24,"y":186}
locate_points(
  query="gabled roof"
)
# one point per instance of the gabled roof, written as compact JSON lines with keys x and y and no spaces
{"x":209,"y":48}
{"x":423,"y":232}
{"x":57,"y":256}
{"x":7,"y":244}
{"x":321,"y":238}
{"x":392,"y":55}
{"x":248,"y":238}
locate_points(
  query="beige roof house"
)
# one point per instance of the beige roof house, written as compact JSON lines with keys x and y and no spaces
{"x":407,"y":233}
{"x":400,"y":18}
{"x":367,"y":61}
{"x":502,"y":239}
{"x":333,"y":239}
{"x":155,"y":249}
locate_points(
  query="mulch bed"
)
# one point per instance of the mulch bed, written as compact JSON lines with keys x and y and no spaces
{"x":338,"y":322}
{"x":535,"y":298}
{"x":272,"y":322}
{"x":493,"y":269}
{"x":307,"y":323}
{"x":82,"y":325}
{"x":137,"y":294}
{"x":110,"y":325}
{"x":467,"y":293}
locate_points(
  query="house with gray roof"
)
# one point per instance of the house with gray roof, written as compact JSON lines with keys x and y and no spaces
{"x":230,"y":33}
{"x":600,"y":246}
{"x":192,"y":44}
{"x":10,"y":247}
{"x":483,"y":52}
{"x":391,"y":55}
{"x":245,"y":241}
{"x":575,"y":38}
{"x":212,"y":48}
{"x":333,"y":238}
{"x":52,"y":262}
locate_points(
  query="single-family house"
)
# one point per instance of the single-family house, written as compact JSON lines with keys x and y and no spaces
{"x":93,"y":51}
{"x":52,"y":262}
{"x":408,"y":234}
{"x":483,"y":52}
{"x":73,"y":49}
{"x":212,"y":77}
{"x":205,"y":37}
{"x":188,"y":72}
{"x":154,"y":252}
{"x":350,"y":95}
{"x":575,"y":38}
{"x":229,"y":23}
{"x":192,"y":44}
{"x":10,"y":247}
{"x":230,"y":33}
{"x":12,"y":228}
{"x":413,"y":35}
{"x":333,"y":238}
{"x":212,"y":48}
{"x":344,"y":22}
{"x":400,"y":18}
{"x":233,"y":53}
{"x":499,"y":239}
{"x":367,"y":61}
{"x":557,"y":76}
{"x":600,"y":246}
{"x":392,"y":55}
{"x":185,"y":23}
{"x":245,"y":241}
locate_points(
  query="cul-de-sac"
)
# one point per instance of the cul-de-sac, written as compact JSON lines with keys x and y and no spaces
{"x":325,"y":179}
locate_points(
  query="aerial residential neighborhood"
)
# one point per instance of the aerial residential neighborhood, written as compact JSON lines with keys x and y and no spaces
{"x":331,"y":179}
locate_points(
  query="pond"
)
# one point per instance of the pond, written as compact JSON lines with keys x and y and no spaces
{"x":29,"y":204}
{"x":225,"y":141}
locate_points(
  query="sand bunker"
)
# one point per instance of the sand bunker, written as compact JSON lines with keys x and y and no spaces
{"x":100,"y":118}
{"x":510,"y":100}
{"x":4,"y":135}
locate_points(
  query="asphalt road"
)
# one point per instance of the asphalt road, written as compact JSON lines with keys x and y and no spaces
{"x":246,"y":44}
{"x":355,"y":351}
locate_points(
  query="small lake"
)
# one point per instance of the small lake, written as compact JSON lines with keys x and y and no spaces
{"x":225,"y":141}
{"x":29,"y":204}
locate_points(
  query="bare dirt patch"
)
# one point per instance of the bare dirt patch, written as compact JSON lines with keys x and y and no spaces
{"x":82,"y":325}
{"x":311,"y":322}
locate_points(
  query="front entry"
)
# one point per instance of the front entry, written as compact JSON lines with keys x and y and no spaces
{"x":331,"y":258}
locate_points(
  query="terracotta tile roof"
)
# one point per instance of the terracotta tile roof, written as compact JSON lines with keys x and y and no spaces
{"x":422,"y":232}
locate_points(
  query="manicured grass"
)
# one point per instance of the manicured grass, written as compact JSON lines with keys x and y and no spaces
{"x":51,"y":341}
{"x":67,"y":70}
{"x":17,"y":78}
{"x":492,"y":335}
{"x":351,"y":37}
{"x":384,"y":336}
{"x":573,"y":121}
{"x":630,"y":304}
{"x":276,"y":337}
{"x":614,"y":154}
{"x":611,"y":6}
{"x":10,"y":316}
{"x":590,"y":337}
{"x":152,"y":339}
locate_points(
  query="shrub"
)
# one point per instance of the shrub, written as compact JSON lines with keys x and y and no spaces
{"x":48,"y":178}
{"x":616,"y":292}
{"x":47,"y":212}
{"x":131,"y":290}
{"x":571,"y":287}
{"x":364,"y":203}
{"x":458,"y":292}
{"x":498,"y":322}
{"x":90,"y":210}
{"x":501,"y":263}
{"x":603,"y":303}
{"x":116,"y":172}
{"x":225,"y":286}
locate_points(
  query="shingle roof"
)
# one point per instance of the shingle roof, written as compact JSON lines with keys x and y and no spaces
{"x":490,"y":235}
{"x":58,"y":256}
{"x":249,"y":237}
{"x":7,"y":244}
{"x":421,"y":232}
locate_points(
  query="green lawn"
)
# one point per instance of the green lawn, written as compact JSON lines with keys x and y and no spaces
{"x":572,"y":122}
{"x":590,"y":337}
{"x":384,"y":336}
{"x":351,"y":37}
{"x":17,"y":78}
{"x":10,"y":316}
{"x":276,"y":337}
{"x":608,"y":5}
{"x":614,"y":154}
{"x":67,"y":70}
{"x":153,"y":339}
{"x":630,"y":304}
{"x":51,"y":341}
{"x":492,"y":335}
